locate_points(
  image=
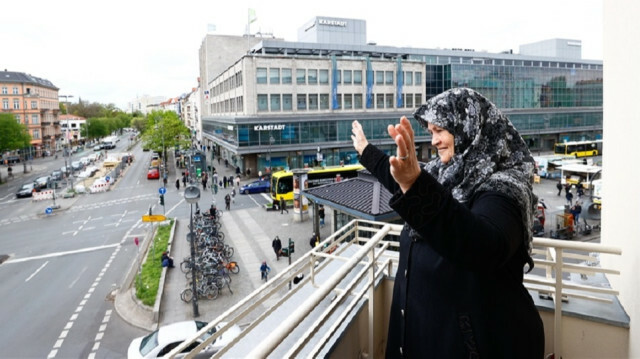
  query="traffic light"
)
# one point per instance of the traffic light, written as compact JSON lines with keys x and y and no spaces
{"x":291,"y":246}
{"x":162,"y":199}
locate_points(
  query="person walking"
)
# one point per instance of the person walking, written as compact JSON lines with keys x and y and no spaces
{"x":283,"y":205}
{"x":559,"y":187}
{"x":575,"y":211}
{"x":314,"y":240}
{"x":569,"y":197}
{"x":184,"y":179}
{"x":238,"y":181}
{"x":474,"y":201}
{"x":178,"y":184}
{"x":276,"y":244}
{"x":204,"y":182}
{"x":233,"y":195}
{"x":224,"y":181}
{"x":264,"y":271}
{"x":227,"y":202}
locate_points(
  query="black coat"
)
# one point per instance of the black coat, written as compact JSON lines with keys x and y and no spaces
{"x":458,"y":291}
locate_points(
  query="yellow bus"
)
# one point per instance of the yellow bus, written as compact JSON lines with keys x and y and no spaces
{"x":282,"y":181}
{"x":579,"y":148}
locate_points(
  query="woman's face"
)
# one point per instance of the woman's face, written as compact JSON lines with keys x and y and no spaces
{"x":443,"y":141}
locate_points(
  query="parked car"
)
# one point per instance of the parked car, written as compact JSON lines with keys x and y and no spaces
{"x":77,"y":166}
{"x":167,"y":337}
{"x":56,"y":175}
{"x":41,"y":182}
{"x":26,"y":190}
{"x":255,"y":187}
{"x":153,"y":173}
{"x":65,"y":170}
{"x":97,"y":147}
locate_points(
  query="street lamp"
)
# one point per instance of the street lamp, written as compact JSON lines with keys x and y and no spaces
{"x":271,"y":142}
{"x":192,"y":195}
{"x":67,"y":148}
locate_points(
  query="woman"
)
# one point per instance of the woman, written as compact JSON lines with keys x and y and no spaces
{"x":458,"y":291}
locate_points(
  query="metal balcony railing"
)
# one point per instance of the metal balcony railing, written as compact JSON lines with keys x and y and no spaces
{"x":341,"y":274}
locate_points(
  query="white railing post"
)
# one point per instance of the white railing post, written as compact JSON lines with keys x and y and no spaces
{"x":557,"y":318}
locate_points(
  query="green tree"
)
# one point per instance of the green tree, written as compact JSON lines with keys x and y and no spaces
{"x":165,"y":128}
{"x":139,"y":123}
{"x":13,"y":135}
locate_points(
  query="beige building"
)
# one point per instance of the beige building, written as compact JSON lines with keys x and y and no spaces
{"x":34,"y":102}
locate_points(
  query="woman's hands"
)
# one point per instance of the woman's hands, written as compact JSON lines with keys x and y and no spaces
{"x":404,"y":165}
{"x":358,"y":137}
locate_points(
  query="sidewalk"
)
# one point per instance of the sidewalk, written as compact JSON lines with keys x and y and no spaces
{"x":249,"y":229}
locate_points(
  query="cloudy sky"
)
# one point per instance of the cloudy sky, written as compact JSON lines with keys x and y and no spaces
{"x":111,"y":52}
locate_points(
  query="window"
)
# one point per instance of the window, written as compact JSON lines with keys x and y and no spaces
{"x":312,"y":76}
{"x":389,"y":77}
{"x":357,"y":101}
{"x":338,"y":76}
{"x":408,"y":101}
{"x":262,"y":103}
{"x":348,"y":101}
{"x":287,"y":101}
{"x":357,"y":77}
{"x":275,"y":102}
{"x":274,"y":76}
{"x":302,"y":102}
{"x":389,"y":100}
{"x":324,"y":101}
{"x":408,"y":78}
{"x":339,"y":101}
{"x":15,"y":91}
{"x":418,"y":101}
{"x":313,"y":101}
{"x":286,"y":76}
{"x":300,"y":76}
{"x":324,"y":77}
{"x":379,"y":77}
{"x":379,"y":100}
{"x":16,"y":104}
{"x":5,"y":103}
{"x":347,"y":77}
{"x":5,"y":91}
{"x":418,"y":78}
{"x":34,"y":119}
{"x":34,"y":105}
{"x":261,"y":75}
{"x":36,"y":134}
{"x":18,"y":118}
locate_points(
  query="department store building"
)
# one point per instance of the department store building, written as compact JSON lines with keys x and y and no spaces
{"x":270,"y":103}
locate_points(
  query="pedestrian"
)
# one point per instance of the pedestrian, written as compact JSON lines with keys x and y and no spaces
{"x":580,"y":189}
{"x":314,"y":240}
{"x":164,"y":179}
{"x":238,"y":171}
{"x":321,"y":214}
{"x":238,"y":181}
{"x":224,"y":181}
{"x":218,"y":160}
{"x":204,"y":182}
{"x":215,"y":177}
{"x":575,"y":211}
{"x":166,"y":260}
{"x":480,"y":188}
{"x":559,"y":187}
{"x":227,"y":202}
{"x":233,"y":195}
{"x":184,"y":179}
{"x":283,"y":205}
{"x":248,"y":172}
{"x":264,"y":271}
{"x":276,"y":244}
{"x":226,"y":163}
{"x":569,"y":197}
{"x":178,"y":184}
{"x":567,"y":188}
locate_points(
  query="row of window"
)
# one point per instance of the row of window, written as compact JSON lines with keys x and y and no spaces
{"x":311,"y":102}
{"x":38,"y":91}
{"x":228,"y":84}
{"x":16,"y":104}
{"x":284,"y":76}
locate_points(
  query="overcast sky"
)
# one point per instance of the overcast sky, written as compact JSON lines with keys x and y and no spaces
{"x":113,"y":51}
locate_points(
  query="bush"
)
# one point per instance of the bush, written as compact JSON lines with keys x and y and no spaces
{"x":149,"y":277}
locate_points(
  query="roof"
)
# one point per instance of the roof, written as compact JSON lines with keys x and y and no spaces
{"x":362,"y":197}
{"x":21,"y":77}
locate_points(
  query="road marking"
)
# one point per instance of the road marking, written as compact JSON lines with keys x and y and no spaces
{"x":59,"y":254}
{"x":36,"y":272}
{"x":79,"y":275}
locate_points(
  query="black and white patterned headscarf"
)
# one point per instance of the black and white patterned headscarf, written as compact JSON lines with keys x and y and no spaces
{"x":489,"y":153}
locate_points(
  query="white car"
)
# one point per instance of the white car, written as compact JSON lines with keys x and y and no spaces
{"x":166,"y":338}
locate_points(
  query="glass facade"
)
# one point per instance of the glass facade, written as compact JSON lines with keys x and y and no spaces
{"x":517,"y":87}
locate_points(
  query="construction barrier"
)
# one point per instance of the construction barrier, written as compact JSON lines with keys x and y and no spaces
{"x":42,"y":195}
{"x":102,"y":187}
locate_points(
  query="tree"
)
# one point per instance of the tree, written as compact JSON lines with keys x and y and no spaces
{"x":13,"y":135}
{"x":164,"y":130}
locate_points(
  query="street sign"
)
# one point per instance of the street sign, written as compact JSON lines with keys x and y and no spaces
{"x":108,"y":179}
{"x":153,"y":218}
{"x":48,"y":210}
{"x":162,"y":190}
